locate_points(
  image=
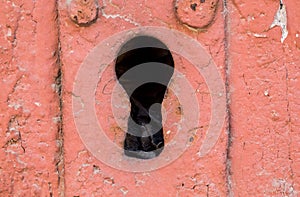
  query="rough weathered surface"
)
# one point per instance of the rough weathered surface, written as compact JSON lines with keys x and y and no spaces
{"x":196,"y":14}
{"x":29,"y":105}
{"x":263,"y":80}
{"x":83,"y":12}
{"x":264,"y":90}
{"x":189,"y":175}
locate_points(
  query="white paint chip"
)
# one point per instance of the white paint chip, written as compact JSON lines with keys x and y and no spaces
{"x":9,"y":33}
{"x":38,"y":104}
{"x":266,"y":92}
{"x":280,"y":20}
{"x":256,"y":35}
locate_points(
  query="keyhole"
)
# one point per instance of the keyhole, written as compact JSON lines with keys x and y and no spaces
{"x":144,"y":67}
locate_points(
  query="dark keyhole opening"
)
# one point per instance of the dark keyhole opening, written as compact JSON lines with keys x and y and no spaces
{"x":144,"y":67}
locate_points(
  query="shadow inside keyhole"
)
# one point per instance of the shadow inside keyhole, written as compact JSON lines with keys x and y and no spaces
{"x":144,"y":67}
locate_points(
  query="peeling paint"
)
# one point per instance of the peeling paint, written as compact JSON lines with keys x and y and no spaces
{"x":124,"y":190}
{"x":280,"y":20}
{"x":284,"y":188}
{"x":125,"y":18}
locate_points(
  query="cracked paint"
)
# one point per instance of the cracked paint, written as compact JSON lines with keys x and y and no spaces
{"x":27,"y":137}
{"x":38,"y":64}
{"x":116,"y":16}
{"x":263,"y":147}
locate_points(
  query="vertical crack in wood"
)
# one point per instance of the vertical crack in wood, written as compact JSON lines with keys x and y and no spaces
{"x":60,"y":135}
{"x":227,"y":81}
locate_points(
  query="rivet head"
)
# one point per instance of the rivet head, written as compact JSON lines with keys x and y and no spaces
{"x":83,"y":12}
{"x":196,"y":14}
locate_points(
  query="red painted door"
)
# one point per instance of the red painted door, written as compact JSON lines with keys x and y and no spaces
{"x":229,"y":113}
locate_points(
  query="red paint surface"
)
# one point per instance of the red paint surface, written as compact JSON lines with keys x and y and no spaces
{"x":85,"y":175}
{"x":264,"y":89}
{"x":196,"y":14}
{"x":83,"y":12}
{"x":263,"y":74}
{"x":29,"y":107}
